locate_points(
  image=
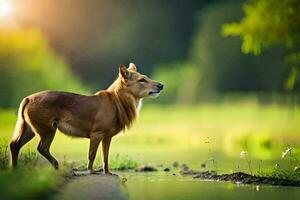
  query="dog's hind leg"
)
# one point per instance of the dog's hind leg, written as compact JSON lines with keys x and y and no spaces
{"x":95,"y":139}
{"x":20,"y":139}
{"x":44,"y":146}
{"x":23,"y":133}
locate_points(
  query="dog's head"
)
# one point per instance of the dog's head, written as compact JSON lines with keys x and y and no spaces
{"x":138,"y":84}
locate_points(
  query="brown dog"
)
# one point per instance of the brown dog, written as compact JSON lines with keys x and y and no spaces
{"x":98,"y":117}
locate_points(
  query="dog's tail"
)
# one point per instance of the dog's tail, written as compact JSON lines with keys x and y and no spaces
{"x":19,"y":129}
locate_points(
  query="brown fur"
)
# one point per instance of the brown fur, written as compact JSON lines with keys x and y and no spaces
{"x":98,"y":117}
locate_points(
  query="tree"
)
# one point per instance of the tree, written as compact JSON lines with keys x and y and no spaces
{"x":224,"y":68}
{"x":269,"y":23}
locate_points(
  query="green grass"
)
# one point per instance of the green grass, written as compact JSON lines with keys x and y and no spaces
{"x":29,"y":180}
{"x":281,"y":174}
{"x":116,"y":162}
{"x":28,"y":183}
{"x":27,"y":157}
{"x":264,"y":131}
{"x":33,"y":179}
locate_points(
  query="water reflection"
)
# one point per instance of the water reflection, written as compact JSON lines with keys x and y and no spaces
{"x":153,"y":186}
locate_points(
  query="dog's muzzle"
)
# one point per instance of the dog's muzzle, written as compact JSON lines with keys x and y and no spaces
{"x":156,"y":92}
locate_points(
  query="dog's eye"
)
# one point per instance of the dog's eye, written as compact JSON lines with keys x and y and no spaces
{"x":143,"y":80}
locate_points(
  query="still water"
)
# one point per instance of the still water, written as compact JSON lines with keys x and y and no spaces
{"x":164,"y":185}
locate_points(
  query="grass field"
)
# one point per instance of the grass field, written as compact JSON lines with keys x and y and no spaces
{"x":168,"y":133}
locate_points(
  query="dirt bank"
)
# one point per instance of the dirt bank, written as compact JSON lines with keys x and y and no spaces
{"x":240,"y":178}
{"x":95,"y":186}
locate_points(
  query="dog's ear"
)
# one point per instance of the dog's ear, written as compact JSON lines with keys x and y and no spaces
{"x":132,"y":67}
{"x":123,"y":72}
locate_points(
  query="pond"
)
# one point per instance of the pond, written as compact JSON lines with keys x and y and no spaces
{"x":153,"y":186}
{"x":166,"y":185}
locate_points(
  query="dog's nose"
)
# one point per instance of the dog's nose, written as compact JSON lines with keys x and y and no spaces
{"x":160,"y":86}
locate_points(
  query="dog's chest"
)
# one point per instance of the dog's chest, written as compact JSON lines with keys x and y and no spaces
{"x":139,"y":106}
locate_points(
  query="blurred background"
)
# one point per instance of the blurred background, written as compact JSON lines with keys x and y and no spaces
{"x":230,"y":69}
{"x":78,"y":45}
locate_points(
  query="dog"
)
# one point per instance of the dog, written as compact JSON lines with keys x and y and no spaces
{"x":98,"y":117}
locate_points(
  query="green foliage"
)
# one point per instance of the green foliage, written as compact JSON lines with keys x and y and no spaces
{"x":224,"y":68}
{"x":181,"y":80}
{"x":293,"y":60}
{"x":292,"y":79}
{"x":28,"y":64}
{"x":268,"y":23}
{"x":27,"y":183}
{"x":288,"y":169}
{"x":4,"y":156}
{"x":286,"y":174}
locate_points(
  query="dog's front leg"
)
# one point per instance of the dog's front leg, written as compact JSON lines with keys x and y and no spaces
{"x":105,"y":151}
{"x":95,"y":139}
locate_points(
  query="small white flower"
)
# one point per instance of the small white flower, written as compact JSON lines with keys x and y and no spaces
{"x":243,"y":154}
{"x":238,"y":183}
{"x":286,"y":152}
{"x":257,"y":188}
{"x":276,"y":165}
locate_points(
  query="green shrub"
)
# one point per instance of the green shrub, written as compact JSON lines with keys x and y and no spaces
{"x":28,"y":65}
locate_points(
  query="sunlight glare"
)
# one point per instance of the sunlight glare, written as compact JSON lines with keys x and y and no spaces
{"x":5,"y":9}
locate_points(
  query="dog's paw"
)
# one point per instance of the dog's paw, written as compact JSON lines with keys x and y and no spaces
{"x":111,"y":174}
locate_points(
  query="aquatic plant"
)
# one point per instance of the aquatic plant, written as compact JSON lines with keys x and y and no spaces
{"x":292,"y":157}
{"x":211,"y":160}
{"x":244,"y":154}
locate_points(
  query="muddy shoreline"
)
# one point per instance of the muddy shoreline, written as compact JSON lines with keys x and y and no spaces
{"x":240,"y":178}
{"x":236,"y":178}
